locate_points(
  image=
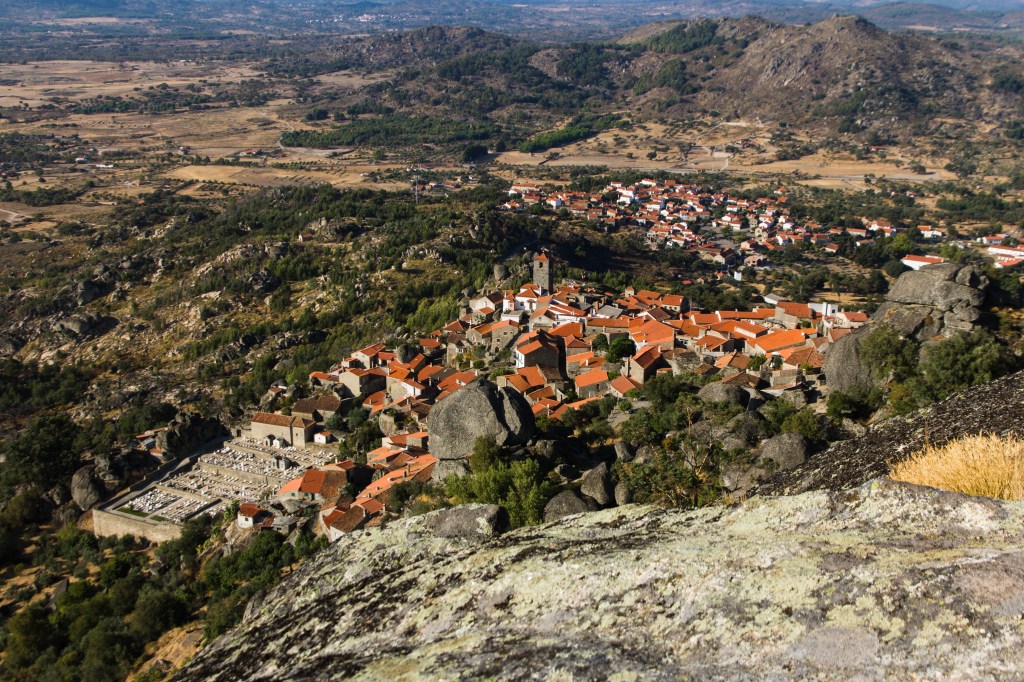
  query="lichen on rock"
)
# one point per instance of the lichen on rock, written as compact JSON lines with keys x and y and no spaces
{"x":885,"y":581}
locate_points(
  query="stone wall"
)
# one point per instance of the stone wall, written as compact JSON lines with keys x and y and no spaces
{"x":107,"y":523}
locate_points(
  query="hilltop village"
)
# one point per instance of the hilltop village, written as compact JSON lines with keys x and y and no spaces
{"x":561,"y":346}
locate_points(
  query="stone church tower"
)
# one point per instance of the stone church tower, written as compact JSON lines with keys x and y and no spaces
{"x":542,"y":274}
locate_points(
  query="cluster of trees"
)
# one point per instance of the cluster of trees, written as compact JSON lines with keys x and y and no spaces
{"x":121,"y":598}
{"x":585,"y":64}
{"x":35,"y":150}
{"x":523,"y":83}
{"x":1006,"y":80}
{"x":686,"y":37}
{"x":394,"y":130}
{"x":672,"y":75}
{"x":43,"y":196}
{"x":520,"y":486}
{"x":159,"y":100}
{"x":681,"y":469}
{"x":580,"y":128}
{"x":26,"y":387}
{"x":982,"y":206}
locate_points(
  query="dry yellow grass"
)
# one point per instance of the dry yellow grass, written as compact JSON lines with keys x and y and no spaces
{"x":984,"y":465}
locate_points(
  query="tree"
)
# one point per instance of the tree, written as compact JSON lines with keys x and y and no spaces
{"x":962,"y":361}
{"x":857,"y":403}
{"x":45,"y":451}
{"x":29,"y":635}
{"x":777,"y":412}
{"x":805,"y":422}
{"x":157,"y":611}
{"x":484,"y":455}
{"x":520,"y":487}
{"x":222,"y":615}
{"x":894,"y":268}
{"x":473,"y":152}
{"x":888,"y":354}
{"x":108,"y":650}
{"x":619,"y":349}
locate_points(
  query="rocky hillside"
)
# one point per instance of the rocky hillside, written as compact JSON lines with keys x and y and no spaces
{"x":990,"y":408}
{"x":842,"y":74}
{"x":884,"y":581}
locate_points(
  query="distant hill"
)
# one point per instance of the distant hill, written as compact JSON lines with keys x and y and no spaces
{"x":839,"y":75}
{"x":544,"y":19}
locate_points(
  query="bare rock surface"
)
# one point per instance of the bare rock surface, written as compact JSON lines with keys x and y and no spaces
{"x":468,"y":522}
{"x":567,"y":503}
{"x":85,"y":489}
{"x":596,"y":485}
{"x":885,"y":581}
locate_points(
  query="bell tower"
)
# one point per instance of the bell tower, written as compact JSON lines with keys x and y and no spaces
{"x":542,"y":274}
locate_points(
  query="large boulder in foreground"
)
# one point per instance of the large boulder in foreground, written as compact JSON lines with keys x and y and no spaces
{"x":886,"y":581}
{"x":480,"y":409}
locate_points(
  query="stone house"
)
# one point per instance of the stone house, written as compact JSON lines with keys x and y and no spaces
{"x":282,"y":430}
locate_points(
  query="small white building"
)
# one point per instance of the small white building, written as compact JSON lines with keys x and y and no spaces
{"x":918,"y":262}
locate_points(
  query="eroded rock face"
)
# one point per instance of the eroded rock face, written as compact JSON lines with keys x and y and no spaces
{"x":481,"y":409}
{"x":939,"y":286}
{"x":886,"y":581}
{"x":469,"y":522}
{"x":597,"y":486}
{"x":567,"y":503}
{"x":785,"y":451}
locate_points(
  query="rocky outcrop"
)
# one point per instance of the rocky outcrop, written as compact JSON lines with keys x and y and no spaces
{"x":990,"y":408}
{"x":9,"y":345}
{"x":469,"y":522}
{"x":596,"y":485}
{"x":566,"y":503}
{"x":843,"y":366}
{"x":785,"y":451}
{"x":89,"y":290}
{"x":933,"y":302}
{"x":723,"y":393}
{"x":188,"y":431}
{"x":479,"y":410}
{"x":85,"y":489}
{"x":263,"y":282}
{"x":84,"y":325}
{"x":748,"y":427}
{"x":887,"y":581}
